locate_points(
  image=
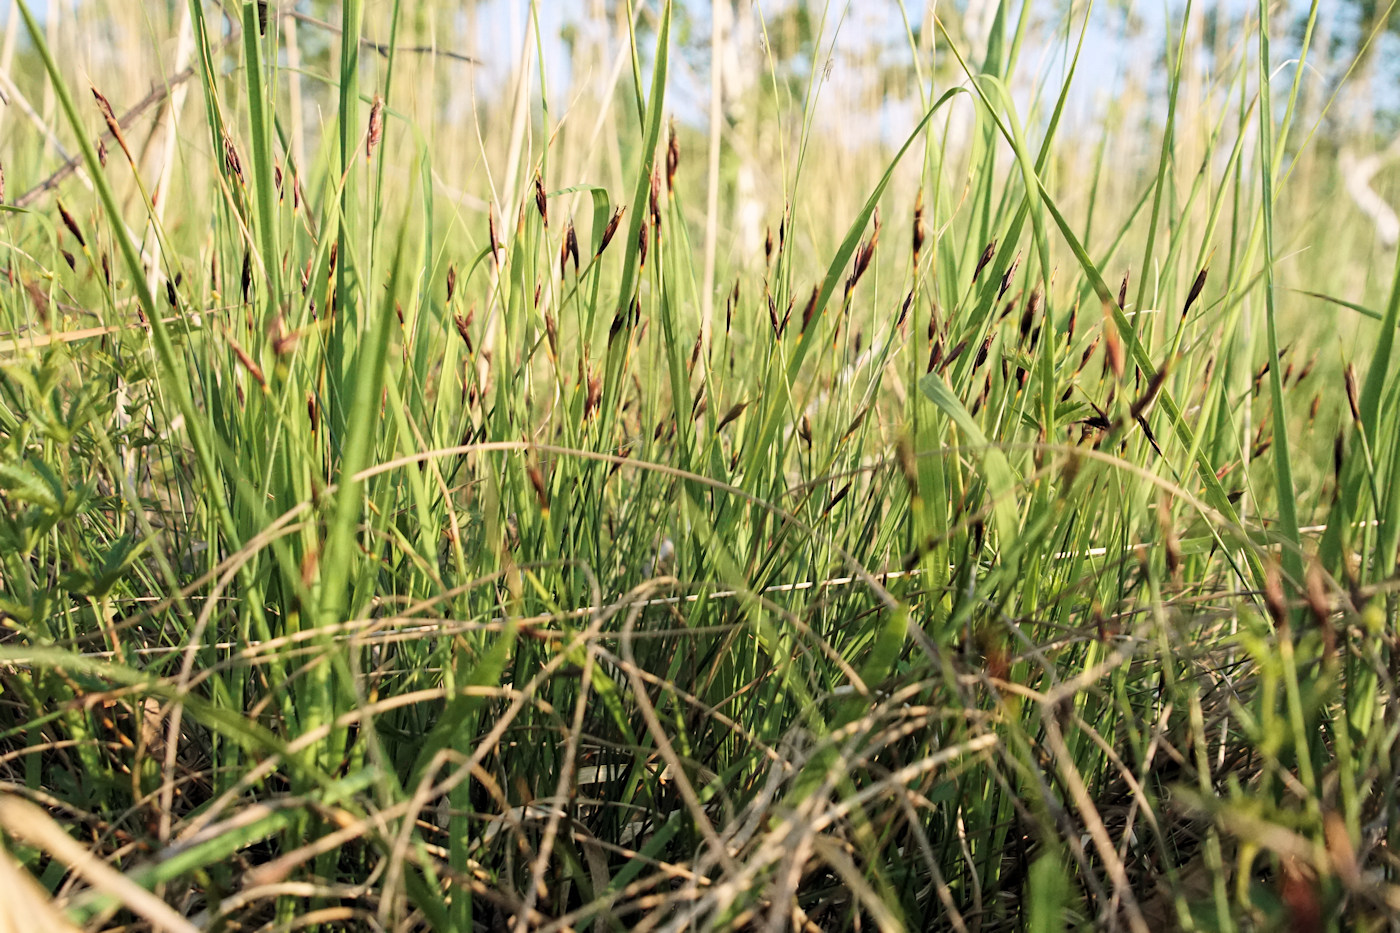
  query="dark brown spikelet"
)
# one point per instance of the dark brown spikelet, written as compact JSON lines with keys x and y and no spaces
{"x":1172,"y":545}
{"x":904,"y":312}
{"x":985,"y":258}
{"x":463,"y":328}
{"x":592,"y":394}
{"x":610,"y":230}
{"x":1339,"y":450}
{"x":313,"y":412}
{"x":277,"y":181}
{"x":1123,"y":291}
{"x":248,"y":363}
{"x":571,"y":244}
{"x":231,"y":160}
{"x":810,"y":311}
{"x":1028,"y":316}
{"x":493,"y":239}
{"x":551,"y":333}
{"x":1008,"y":275}
{"x":245,"y":279}
{"x":731,"y":415}
{"x":642,"y":247}
{"x":1353,"y":399}
{"x":69,"y":258}
{"x":773,"y":320}
{"x":768,"y":246}
{"x":72,"y":225}
{"x":953,"y":354}
{"x":695,"y":352}
{"x":982,"y":352}
{"x":1073,"y":320}
{"x":375,"y":133}
{"x":1312,"y":409}
{"x":1196,"y":288}
{"x":1154,"y":388}
{"x":804,"y":430}
{"x":102,"y":153}
{"x":107,"y":270}
{"x":541,"y":202}
{"x":864,"y":254}
{"x":171,"y":295}
{"x":451,"y":282}
{"x":113,"y":126}
{"x":918,"y":232}
{"x":1259,"y":377}
{"x":541,"y":491}
{"x":654,"y":204}
{"x":1307,"y":369}
{"x":673,"y":158}
{"x":935,"y":355}
{"x":835,"y":500}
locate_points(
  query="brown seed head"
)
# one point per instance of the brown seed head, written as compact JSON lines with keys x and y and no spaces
{"x":731,"y":415}
{"x":918,"y":225}
{"x":541,"y":202}
{"x":571,"y":244}
{"x":810,"y":311}
{"x":376,"y":127}
{"x":864,"y":254}
{"x":1028,"y":316}
{"x":541,"y":491}
{"x":1353,"y":398}
{"x":610,"y":229}
{"x":673,"y":158}
{"x":248,"y":363}
{"x":1008,"y":276}
{"x":113,"y":126}
{"x":985,"y":258}
{"x":1195,"y":291}
{"x":72,"y":225}
{"x":655,"y":201}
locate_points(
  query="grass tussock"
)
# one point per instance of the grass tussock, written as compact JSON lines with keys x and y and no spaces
{"x":433,"y":501}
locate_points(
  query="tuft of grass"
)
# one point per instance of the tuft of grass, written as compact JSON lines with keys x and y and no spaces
{"x":473,"y":510}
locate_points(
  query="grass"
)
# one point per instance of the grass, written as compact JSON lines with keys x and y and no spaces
{"x":391,"y":538}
